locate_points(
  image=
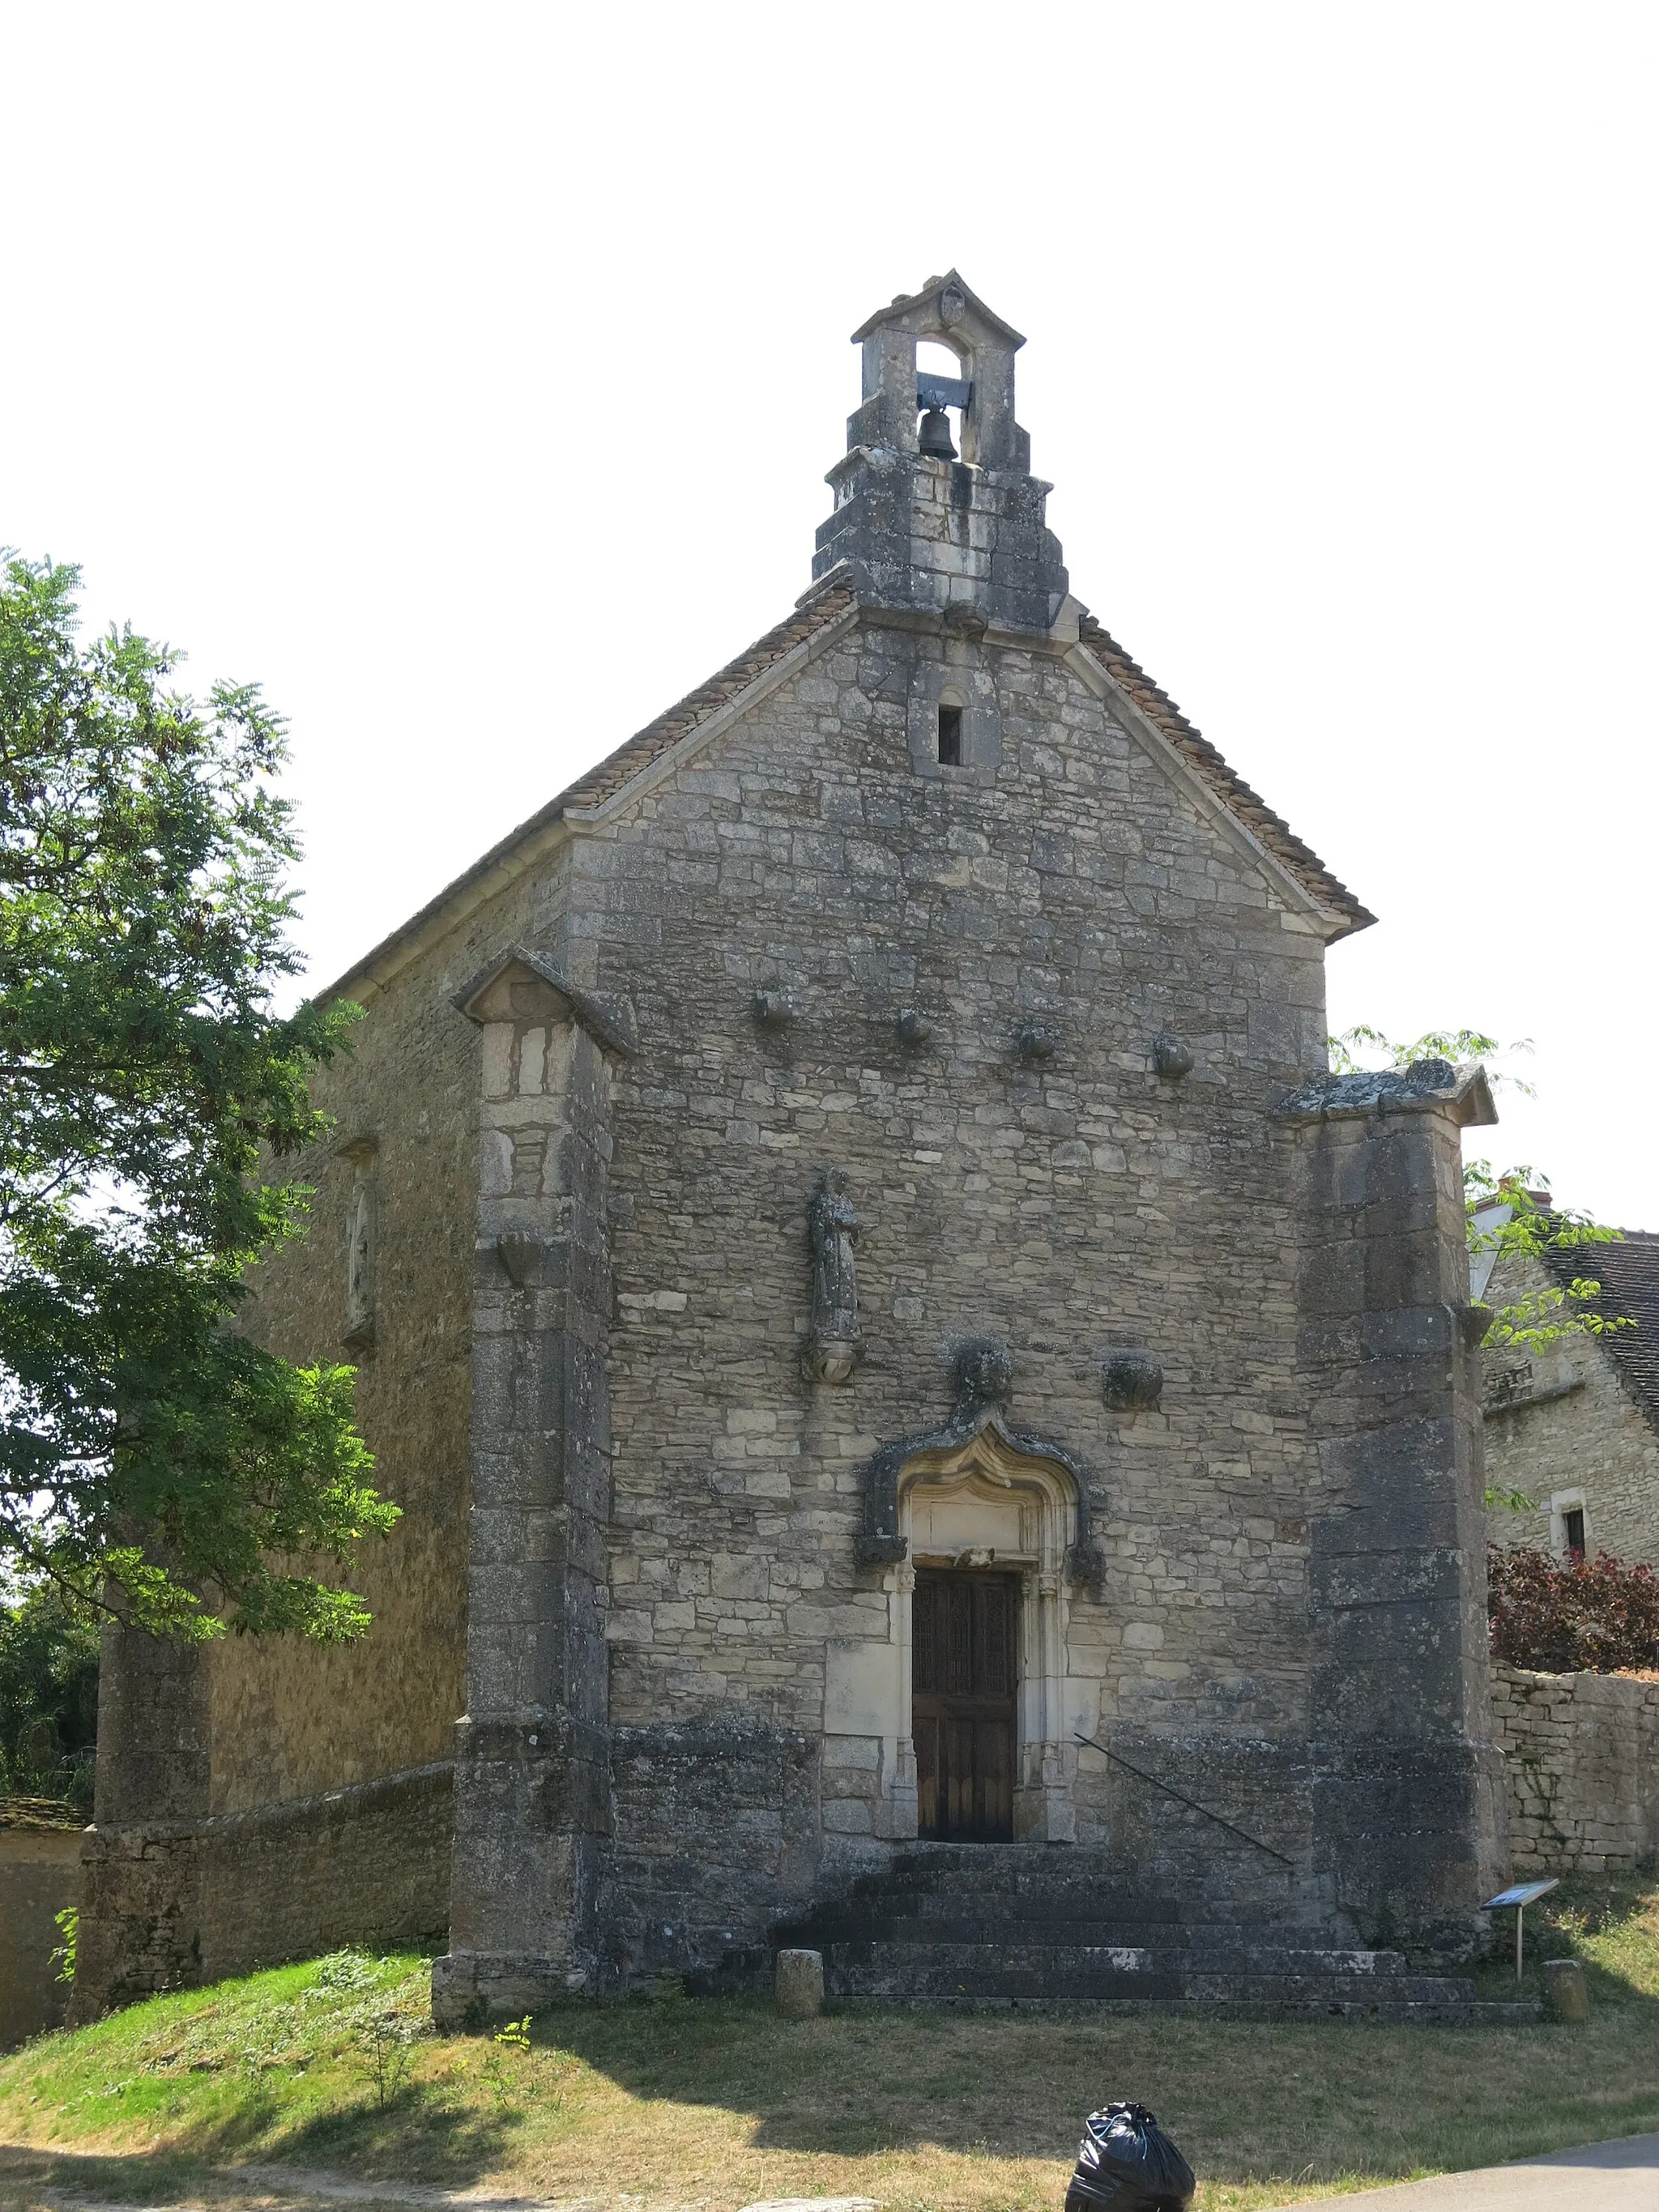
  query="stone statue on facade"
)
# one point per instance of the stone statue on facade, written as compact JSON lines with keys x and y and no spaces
{"x":834,"y":1343}
{"x":358,"y":1333}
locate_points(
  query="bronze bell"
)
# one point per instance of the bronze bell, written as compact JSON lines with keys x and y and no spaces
{"x":936,"y":435}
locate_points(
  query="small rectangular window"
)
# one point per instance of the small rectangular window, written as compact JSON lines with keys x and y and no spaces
{"x":950,"y":736}
{"x":1572,"y":1531}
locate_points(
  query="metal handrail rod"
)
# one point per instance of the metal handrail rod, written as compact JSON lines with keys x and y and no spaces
{"x":1232,"y":1828}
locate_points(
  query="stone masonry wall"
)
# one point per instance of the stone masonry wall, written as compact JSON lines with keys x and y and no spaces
{"x":1067,"y":1207}
{"x":1563,"y":1420}
{"x":1581,"y":1769}
{"x":290,"y":1719}
{"x":1065,"y":882}
{"x":175,"y":1903}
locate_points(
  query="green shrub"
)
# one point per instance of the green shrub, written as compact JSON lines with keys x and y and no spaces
{"x":1571,"y":1616}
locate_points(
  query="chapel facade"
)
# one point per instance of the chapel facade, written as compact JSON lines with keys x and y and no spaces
{"x":897,"y":1361}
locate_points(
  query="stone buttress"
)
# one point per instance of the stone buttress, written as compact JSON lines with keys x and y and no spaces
{"x":533,"y":1762}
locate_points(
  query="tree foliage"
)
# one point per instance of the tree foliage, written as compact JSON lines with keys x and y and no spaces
{"x":1363,"y":1046}
{"x":1541,"y":1316}
{"x":1571,"y":1616}
{"x":48,"y":1694}
{"x":152,"y":1458}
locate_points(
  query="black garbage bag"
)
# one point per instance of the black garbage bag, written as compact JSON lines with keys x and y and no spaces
{"x":1126,"y":2163}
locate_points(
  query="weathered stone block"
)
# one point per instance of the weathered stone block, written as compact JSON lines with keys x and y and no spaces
{"x":1565,"y":1993}
{"x":799,"y":1984}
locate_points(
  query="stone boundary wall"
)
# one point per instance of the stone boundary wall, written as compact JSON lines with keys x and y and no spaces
{"x":1581,"y":1764}
{"x":169,"y":1904}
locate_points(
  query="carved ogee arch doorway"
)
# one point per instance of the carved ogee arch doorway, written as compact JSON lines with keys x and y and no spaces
{"x":991,"y":1502}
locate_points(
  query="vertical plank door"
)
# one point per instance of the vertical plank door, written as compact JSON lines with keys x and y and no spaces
{"x":963,"y":1678}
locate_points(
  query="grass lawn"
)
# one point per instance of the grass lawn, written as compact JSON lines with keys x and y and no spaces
{"x":716,"y":2104}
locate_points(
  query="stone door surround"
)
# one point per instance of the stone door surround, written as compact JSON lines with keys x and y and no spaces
{"x":989,"y":1500}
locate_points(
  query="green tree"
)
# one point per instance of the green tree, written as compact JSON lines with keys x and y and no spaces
{"x":153,"y":1461}
{"x":48,"y":1694}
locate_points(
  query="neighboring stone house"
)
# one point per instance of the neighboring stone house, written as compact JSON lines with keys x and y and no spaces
{"x":1575,"y":1427}
{"x":896,"y":1359}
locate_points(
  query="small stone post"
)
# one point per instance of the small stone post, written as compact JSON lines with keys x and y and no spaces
{"x":1563,"y":1989}
{"x":798,"y":1988}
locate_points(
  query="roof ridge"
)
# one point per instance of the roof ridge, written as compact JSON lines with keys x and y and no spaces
{"x":1269,"y":828}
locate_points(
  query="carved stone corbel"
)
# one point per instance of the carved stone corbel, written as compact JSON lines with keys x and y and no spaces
{"x":520,"y":1252}
{"x":1132,"y":1382}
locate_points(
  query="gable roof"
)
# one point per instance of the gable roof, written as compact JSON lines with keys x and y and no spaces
{"x":1267,"y":828}
{"x":1628,"y":1272}
{"x":817,"y":610}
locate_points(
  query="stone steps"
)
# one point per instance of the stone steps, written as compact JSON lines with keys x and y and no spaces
{"x":1014,"y":1925}
{"x":1033,"y":1970}
{"x":1242,"y":1950}
{"x":917,"y":1901}
{"x":1379,"y":2011}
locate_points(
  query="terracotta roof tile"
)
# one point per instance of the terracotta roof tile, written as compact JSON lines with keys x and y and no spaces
{"x":1234,"y":795}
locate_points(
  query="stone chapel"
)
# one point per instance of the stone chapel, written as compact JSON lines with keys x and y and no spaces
{"x":927,"y":1422}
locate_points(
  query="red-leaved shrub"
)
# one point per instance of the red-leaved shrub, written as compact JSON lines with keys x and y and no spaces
{"x":1570,"y":1616}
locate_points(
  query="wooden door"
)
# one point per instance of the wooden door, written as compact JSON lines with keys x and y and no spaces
{"x":963,"y":1628}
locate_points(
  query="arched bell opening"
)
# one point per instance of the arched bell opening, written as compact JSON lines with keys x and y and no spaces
{"x":944,"y":382}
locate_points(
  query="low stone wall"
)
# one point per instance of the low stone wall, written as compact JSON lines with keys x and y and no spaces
{"x":40,"y":1875}
{"x":167,"y":1905}
{"x":1581,"y":1765}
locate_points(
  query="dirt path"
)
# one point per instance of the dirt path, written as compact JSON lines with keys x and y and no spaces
{"x":66,"y":2181}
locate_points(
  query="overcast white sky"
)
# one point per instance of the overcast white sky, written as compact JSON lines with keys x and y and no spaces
{"x":468,"y":377}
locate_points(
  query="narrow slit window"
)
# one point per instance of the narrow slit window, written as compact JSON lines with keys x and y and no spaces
{"x":950,"y":736}
{"x":1572,"y":1531}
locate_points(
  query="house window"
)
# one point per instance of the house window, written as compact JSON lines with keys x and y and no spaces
{"x":950,"y":736}
{"x":1569,"y":1525}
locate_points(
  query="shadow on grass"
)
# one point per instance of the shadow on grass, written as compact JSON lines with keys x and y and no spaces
{"x":1247,"y":2102}
{"x":423,"y":2137}
{"x":856,"y":2083}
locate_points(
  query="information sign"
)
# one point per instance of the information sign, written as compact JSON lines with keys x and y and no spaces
{"x":1524,"y":1892}
{"x":1520,"y":1894}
